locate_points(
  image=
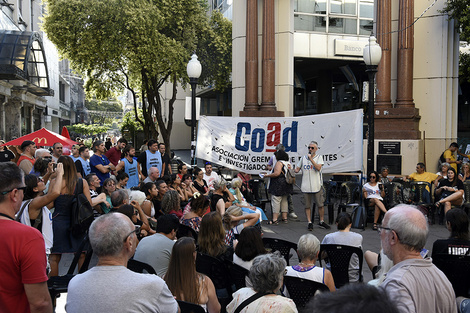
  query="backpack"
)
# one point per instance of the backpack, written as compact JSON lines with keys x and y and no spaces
{"x":82,"y":212}
{"x":289,"y":172}
{"x":359,"y":217}
{"x":442,"y":159}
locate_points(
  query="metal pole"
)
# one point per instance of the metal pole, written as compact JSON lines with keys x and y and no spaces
{"x":371,"y":70}
{"x":193,"y":83}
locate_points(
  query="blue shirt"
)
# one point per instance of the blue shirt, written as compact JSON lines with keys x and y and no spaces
{"x":131,"y":170}
{"x":99,"y":160}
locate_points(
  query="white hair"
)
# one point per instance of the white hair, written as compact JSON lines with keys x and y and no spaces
{"x":138,"y":196}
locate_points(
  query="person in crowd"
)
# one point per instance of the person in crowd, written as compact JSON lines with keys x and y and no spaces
{"x":138,"y":218}
{"x":240,"y":201}
{"x":75,"y":153}
{"x":175,"y":184}
{"x":354,"y":298}
{"x":99,"y":163}
{"x":154,"y":175}
{"x":64,"y":241}
{"x":373,"y":191}
{"x":221,"y":198}
{"x":403,"y":235}
{"x":450,"y":191}
{"x":171,"y":204}
{"x":210,"y":176}
{"x":199,"y":205}
{"x":233,"y":224}
{"x":122,"y":178}
{"x":245,"y":187}
{"x":119,"y":197}
{"x":443,"y":170}
{"x":165,"y":159}
{"x":422,"y":175}
{"x":250,"y":245}
{"x":57,"y":151}
{"x":266,"y":275}
{"x":199,"y":183}
{"x":271,"y":163}
{"x":384,"y":178}
{"x":83,"y":163}
{"x":109,"y":186}
{"x":44,"y":168}
{"x":108,"y":143}
{"x":211,"y":238}
{"x":114,"y":154}
{"x":129,"y":166}
{"x":279,"y":188}
{"x":344,"y":236}
{"x":110,"y":286}
{"x":35,"y":206}
{"x":182,"y":170}
{"x":465,"y":172}
{"x":162,"y":188}
{"x":144,"y":146}
{"x":188,"y":186}
{"x":150,"y":158}
{"x":23,"y":282}
{"x":5,"y":154}
{"x":97,"y":199}
{"x":308,"y":248}
{"x":312,"y":184}
{"x":151,"y":192}
{"x":450,"y":155}
{"x":26,"y":160}
{"x":185,"y":283}
{"x":42,"y":153}
{"x":155,"y":250}
{"x":459,"y":242}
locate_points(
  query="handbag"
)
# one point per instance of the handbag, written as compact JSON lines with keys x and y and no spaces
{"x":82,"y":212}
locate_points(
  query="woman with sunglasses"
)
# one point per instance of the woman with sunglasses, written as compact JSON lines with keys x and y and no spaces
{"x":373,"y":191}
{"x":35,"y":207}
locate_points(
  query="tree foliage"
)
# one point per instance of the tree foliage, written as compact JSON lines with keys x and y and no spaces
{"x":92,"y":129}
{"x":460,"y":11}
{"x":110,"y":105}
{"x":139,"y":45}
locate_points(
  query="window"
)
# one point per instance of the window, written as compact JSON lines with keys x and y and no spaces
{"x":353,"y":17}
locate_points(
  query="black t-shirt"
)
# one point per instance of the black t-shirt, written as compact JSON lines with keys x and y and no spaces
{"x":6,"y":155}
{"x":447,"y":183}
{"x":202,"y":189}
{"x":451,"y":246}
{"x":166,"y":161}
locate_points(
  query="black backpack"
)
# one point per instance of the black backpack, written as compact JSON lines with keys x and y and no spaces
{"x":442,"y":159}
{"x":82,"y":212}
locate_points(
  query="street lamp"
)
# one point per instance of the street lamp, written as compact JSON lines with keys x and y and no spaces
{"x":194,"y":70}
{"x":372,"y":54}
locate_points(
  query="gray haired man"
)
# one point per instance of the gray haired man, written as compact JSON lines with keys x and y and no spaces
{"x":110,"y":286}
{"x":414,"y":283}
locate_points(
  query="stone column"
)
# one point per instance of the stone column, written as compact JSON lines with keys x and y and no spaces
{"x":384,"y":39}
{"x":251,"y":52}
{"x":269,"y":59}
{"x":13,"y":120}
{"x":405,"y":54}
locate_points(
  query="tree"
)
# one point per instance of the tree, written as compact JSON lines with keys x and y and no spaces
{"x":141,"y":45}
{"x":97,"y":108}
{"x":460,"y":11}
{"x":129,"y":124}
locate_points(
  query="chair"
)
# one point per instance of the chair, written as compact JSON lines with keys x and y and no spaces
{"x":339,"y":257}
{"x":186,"y":231}
{"x":238,"y":274}
{"x":348,"y":194}
{"x":218,"y":272}
{"x":283,"y":246}
{"x":188,"y":307}
{"x":422,"y":197}
{"x":59,"y":284}
{"x":457,"y":270}
{"x":260,"y":193}
{"x":466,"y":203}
{"x":302,"y":290}
{"x":140,"y":267}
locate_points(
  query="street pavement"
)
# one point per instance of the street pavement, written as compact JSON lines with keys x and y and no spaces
{"x":292,"y":232}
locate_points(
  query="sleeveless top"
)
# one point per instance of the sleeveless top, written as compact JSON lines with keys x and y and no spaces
{"x":85,"y":165}
{"x":131,"y":170}
{"x":154,"y":160}
{"x":312,"y":273}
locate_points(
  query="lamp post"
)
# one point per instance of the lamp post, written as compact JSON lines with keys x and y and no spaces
{"x":194,"y":70}
{"x":372,"y":54}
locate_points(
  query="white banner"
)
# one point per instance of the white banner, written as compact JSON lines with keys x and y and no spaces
{"x":247,"y":143}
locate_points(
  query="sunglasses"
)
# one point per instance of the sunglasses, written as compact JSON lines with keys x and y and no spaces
{"x":311,"y":148}
{"x":18,"y":188}
{"x":136,"y":231}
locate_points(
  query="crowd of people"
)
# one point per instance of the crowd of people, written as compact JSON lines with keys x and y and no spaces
{"x":139,"y":205}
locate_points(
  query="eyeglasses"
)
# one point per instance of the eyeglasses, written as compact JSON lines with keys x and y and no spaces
{"x":136,"y":231}
{"x":379,"y":230}
{"x":311,"y":148}
{"x":372,"y":176}
{"x":18,"y":188}
{"x":40,"y":179}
